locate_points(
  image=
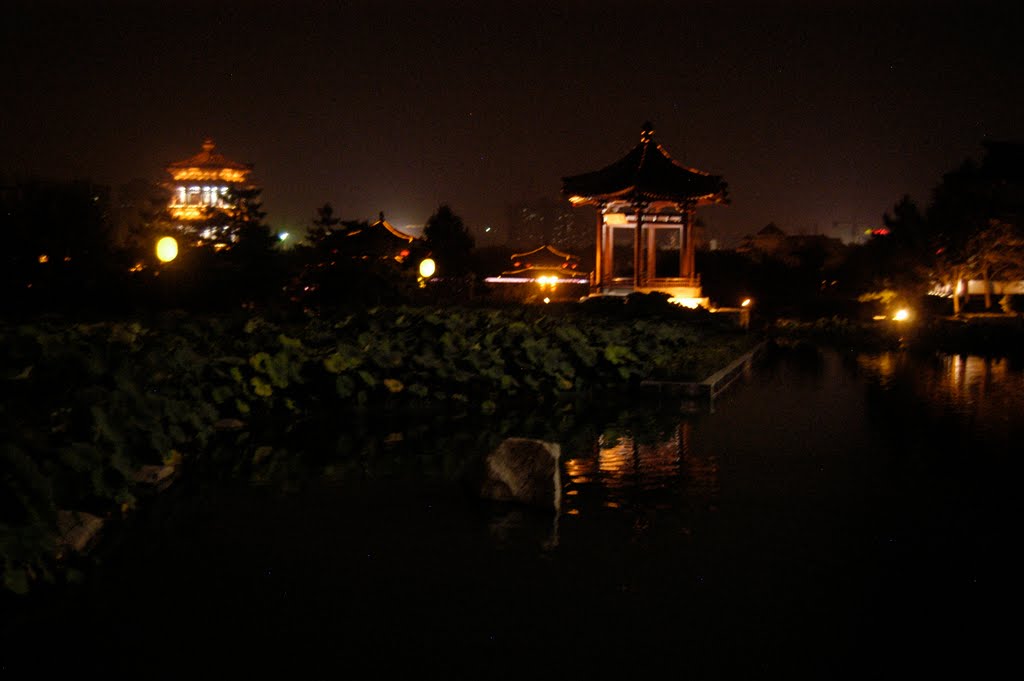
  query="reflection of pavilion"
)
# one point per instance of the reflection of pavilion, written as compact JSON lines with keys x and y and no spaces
{"x":646,"y":204}
{"x":623,"y":465}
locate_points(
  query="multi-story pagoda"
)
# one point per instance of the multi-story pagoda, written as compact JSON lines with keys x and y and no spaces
{"x":645,"y":212}
{"x":201,"y":188}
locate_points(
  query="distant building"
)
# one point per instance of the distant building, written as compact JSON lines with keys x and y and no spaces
{"x":201,"y":195}
{"x":544,"y":221}
{"x":792,"y":249}
{"x":381,"y":240}
{"x":541,"y":275}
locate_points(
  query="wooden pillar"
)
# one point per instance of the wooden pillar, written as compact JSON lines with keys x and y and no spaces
{"x":652,"y":255}
{"x":599,"y":251}
{"x":687,"y":263}
{"x":637,"y":248}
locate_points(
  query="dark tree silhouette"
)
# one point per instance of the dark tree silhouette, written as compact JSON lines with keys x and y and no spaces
{"x":450,"y":243}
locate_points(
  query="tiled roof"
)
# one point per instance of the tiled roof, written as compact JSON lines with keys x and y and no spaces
{"x":208,"y":158}
{"x":646,"y":173}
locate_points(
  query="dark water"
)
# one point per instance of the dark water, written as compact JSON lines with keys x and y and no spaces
{"x":831,"y":517}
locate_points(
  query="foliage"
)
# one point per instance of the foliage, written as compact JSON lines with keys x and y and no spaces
{"x":86,"y":405}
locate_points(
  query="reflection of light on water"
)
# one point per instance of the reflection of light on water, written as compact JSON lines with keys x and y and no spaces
{"x":988,"y":391}
{"x":621,"y":467}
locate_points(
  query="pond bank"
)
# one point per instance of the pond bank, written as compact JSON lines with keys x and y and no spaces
{"x":92,"y":404}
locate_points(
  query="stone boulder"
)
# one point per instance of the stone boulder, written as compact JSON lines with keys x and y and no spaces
{"x":524,"y":471}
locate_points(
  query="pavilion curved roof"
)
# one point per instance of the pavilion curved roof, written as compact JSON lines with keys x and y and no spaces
{"x":208,"y":158}
{"x":646,"y":173}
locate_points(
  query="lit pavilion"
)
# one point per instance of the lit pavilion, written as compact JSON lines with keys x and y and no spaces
{"x":646,"y":204}
{"x":200,"y":187}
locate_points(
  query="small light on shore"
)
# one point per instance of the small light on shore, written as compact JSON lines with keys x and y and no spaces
{"x":901,"y":315}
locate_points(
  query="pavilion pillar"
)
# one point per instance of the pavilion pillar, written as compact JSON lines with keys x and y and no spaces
{"x":638,"y":248}
{"x":652,"y":256}
{"x":599,"y":255}
{"x":687,"y":264}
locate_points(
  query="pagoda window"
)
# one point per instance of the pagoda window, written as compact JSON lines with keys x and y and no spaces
{"x":194,"y":197}
{"x":179,"y":196}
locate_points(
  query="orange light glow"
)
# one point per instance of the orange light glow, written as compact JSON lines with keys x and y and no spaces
{"x":167,"y":249}
{"x":427,"y":268}
{"x":224,"y":174}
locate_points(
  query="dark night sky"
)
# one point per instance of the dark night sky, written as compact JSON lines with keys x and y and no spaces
{"x":813,"y":112}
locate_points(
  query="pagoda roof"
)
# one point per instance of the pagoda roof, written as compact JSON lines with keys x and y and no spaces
{"x":208,"y":158}
{"x":545,"y":251}
{"x":647,"y":173}
{"x":377,"y":238}
{"x":771,"y":229}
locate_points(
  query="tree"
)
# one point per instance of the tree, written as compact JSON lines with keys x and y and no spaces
{"x":996,"y":252}
{"x":449,"y":241}
{"x":975,"y":217}
{"x":324,"y":224}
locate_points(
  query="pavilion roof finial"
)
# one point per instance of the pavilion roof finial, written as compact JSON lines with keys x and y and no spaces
{"x":208,"y":144}
{"x":647,"y":132}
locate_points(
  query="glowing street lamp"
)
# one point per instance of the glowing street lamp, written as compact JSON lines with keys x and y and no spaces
{"x":166,"y":249}
{"x":427,"y":268}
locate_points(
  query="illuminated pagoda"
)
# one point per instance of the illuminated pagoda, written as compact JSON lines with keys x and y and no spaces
{"x":200,"y":192}
{"x":645,"y":212}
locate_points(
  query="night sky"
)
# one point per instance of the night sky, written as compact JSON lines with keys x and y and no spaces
{"x":815,"y":113}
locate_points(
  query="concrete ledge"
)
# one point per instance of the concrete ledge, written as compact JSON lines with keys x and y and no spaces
{"x":713,"y":385}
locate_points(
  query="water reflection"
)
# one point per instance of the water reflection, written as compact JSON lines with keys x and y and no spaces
{"x":978,"y":399}
{"x":783,"y":533}
{"x":624,"y":466}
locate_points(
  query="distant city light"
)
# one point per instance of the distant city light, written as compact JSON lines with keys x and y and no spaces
{"x":547,"y":281}
{"x":901,"y":315}
{"x":282,"y":236}
{"x":745,"y":303}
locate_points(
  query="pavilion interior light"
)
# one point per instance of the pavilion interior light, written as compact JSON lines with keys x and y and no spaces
{"x":692,"y":303}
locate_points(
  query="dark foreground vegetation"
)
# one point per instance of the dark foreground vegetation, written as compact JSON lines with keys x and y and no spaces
{"x":90,"y":406}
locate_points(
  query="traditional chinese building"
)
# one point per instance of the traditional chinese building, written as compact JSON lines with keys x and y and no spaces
{"x":381,"y":240}
{"x":544,"y":261}
{"x":541,"y":275}
{"x":201,"y":187}
{"x":646,"y":204}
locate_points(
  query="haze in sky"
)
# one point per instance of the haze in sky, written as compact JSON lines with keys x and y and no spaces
{"x":819,"y":115}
